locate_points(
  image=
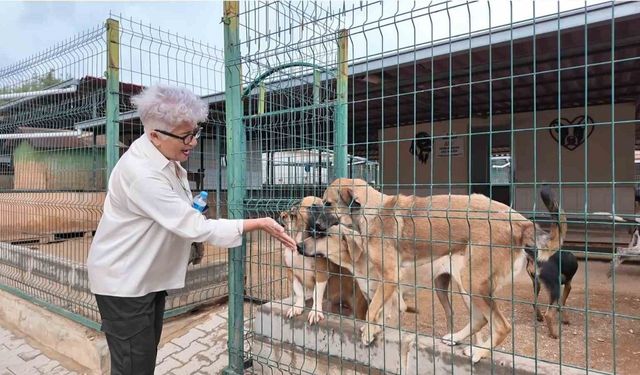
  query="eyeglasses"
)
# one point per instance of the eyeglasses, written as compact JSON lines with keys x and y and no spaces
{"x":186,"y":139}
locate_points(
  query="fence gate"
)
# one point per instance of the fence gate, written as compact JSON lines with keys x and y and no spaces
{"x":286,"y":140}
{"x":426,"y":98}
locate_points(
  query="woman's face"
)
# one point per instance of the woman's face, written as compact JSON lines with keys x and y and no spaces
{"x":174,"y":148}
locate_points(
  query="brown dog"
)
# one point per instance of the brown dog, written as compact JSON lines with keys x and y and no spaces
{"x":344,"y":246}
{"x":316,"y":275}
{"x":485,"y":238}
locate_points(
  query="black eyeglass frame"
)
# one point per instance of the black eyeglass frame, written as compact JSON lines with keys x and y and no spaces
{"x":186,"y":139}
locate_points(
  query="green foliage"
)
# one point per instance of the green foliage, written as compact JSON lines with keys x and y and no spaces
{"x":37,"y":82}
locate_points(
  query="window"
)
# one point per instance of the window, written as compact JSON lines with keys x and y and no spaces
{"x":501,"y":169}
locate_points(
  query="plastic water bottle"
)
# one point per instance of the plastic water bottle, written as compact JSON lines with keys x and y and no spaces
{"x":200,"y":201}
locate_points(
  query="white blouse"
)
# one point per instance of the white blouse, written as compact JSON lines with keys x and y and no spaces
{"x":143,"y":241}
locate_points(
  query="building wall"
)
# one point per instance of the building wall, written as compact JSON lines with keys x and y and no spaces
{"x":607,"y":155}
{"x":590,"y":164}
{"x":402,"y":172}
{"x":67,"y":169}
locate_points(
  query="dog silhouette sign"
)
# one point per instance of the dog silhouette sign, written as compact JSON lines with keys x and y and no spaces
{"x":571,"y":133}
{"x":421,"y":146}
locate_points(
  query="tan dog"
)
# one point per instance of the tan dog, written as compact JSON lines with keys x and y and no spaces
{"x":343,"y":246}
{"x":485,"y":238}
{"x":314,"y":276}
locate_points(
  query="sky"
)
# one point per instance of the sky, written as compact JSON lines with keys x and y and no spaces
{"x":31,"y":27}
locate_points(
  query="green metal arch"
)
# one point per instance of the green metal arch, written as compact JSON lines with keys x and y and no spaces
{"x":269,"y":72}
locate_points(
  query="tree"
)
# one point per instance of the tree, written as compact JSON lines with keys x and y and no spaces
{"x":37,"y":82}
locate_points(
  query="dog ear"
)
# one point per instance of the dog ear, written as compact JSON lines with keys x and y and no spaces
{"x":349,"y":197}
{"x":354,"y":243}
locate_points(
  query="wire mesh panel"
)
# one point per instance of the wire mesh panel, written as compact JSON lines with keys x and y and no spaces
{"x":52,"y":179}
{"x":56,"y":151}
{"x":490,"y":178}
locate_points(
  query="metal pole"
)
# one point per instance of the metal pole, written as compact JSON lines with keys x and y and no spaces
{"x":113,"y":95}
{"x":261,"y":97}
{"x":235,"y":182}
{"x":340,"y":137}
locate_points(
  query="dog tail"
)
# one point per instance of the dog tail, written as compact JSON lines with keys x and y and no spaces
{"x":558,"y":231}
{"x":539,"y":244}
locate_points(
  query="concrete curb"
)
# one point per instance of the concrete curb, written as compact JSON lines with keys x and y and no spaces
{"x":399,"y":353}
{"x":62,"y":336}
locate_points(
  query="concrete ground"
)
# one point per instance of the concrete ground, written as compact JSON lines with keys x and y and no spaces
{"x":18,"y":357}
{"x":194,"y":344}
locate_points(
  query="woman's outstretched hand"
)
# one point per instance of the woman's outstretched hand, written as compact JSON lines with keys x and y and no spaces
{"x":274,"y":229}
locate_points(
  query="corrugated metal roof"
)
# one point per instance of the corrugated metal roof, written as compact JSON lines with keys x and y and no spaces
{"x":85,"y":140}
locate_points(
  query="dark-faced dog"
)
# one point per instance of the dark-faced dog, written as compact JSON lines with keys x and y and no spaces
{"x":315,"y":276}
{"x":551,"y":274}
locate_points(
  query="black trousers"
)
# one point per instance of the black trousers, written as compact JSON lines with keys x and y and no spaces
{"x":133,"y":326}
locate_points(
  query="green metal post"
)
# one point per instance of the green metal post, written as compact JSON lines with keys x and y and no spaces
{"x":340,"y":138}
{"x":235,"y":182}
{"x":113,"y":94}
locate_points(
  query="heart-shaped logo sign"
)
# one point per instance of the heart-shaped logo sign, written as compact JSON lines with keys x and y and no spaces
{"x":571,"y":133}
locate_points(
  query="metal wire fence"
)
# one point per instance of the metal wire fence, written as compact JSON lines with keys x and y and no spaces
{"x":65,"y":118}
{"x":437,"y":100}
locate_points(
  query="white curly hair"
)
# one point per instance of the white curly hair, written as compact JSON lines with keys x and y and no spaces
{"x":165,"y":107}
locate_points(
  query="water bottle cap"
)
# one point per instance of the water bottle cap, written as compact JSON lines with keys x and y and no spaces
{"x":204,"y":194}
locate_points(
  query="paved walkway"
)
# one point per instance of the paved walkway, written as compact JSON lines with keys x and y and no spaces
{"x":201,"y":350}
{"x":17,"y":357}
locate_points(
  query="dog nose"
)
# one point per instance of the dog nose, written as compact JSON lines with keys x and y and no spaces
{"x":319,"y":228}
{"x":300,"y":248}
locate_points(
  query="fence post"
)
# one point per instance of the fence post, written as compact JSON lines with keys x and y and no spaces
{"x":340,"y":135}
{"x":235,"y":182}
{"x":112,"y":115}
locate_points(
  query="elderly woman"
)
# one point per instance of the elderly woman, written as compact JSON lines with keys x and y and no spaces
{"x":142,"y":245}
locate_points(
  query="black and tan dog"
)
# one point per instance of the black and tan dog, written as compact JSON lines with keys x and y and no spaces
{"x":552,"y":275}
{"x":314,"y":276}
{"x":478,"y":239}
